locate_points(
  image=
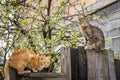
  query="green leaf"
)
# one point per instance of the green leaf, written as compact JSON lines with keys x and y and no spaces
{"x":62,"y":1}
{"x":85,"y":9}
{"x":108,"y":38}
{"x":18,"y":8}
{"x":83,"y":2}
{"x":94,"y":16}
{"x":39,"y":1}
{"x":30,"y":4}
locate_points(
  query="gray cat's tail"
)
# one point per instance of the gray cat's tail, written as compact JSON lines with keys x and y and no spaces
{"x":6,"y":71}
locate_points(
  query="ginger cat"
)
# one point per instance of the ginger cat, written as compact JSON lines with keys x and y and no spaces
{"x":25,"y":58}
{"x":93,"y":35}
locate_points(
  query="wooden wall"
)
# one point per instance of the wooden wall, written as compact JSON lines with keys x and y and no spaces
{"x":78,"y":64}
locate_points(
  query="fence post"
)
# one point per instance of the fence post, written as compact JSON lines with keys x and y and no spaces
{"x":66,"y":62}
{"x":82,"y":64}
{"x":74,"y":54}
{"x":97,"y":65}
{"x":112,"y":74}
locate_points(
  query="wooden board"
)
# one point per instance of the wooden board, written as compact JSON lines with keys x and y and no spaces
{"x":82,"y":64}
{"x":112,"y":73}
{"x":97,"y":64}
{"x":117,"y":67}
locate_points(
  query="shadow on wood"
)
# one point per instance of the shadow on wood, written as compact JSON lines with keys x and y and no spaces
{"x":78,"y":64}
{"x":13,"y":74}
{"x":117,"y":63}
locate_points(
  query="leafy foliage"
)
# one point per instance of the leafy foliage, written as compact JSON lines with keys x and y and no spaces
{"x":33,"y":25}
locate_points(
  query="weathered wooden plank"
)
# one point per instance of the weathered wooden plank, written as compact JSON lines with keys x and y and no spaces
{"x":74,"y":64}
{"x":117,"y":67}
{"x":105,"y":69}
{"x":63,"y":60}
{"x":98,"y":67}
{"x":47,"y":75}
{"x":13,"y":74}
{"x":52,"y":79}
{"x":39,"y":78}
{"x":112,"y":74}
{"x":97,"y":63}
{"x":82,"y":64}
{"x":66,"y":62}
{"x":91,"y":64}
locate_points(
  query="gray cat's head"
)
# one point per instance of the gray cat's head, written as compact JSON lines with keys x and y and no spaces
{"x":84,"y":21}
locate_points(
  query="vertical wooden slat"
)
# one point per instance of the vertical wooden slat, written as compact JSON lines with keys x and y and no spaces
{"x":91,"y":64}
{"x":98,"y":67}
{"x":74,"y":64}
{"x":13,"y":74}
{"x":63,"y":60}
{"x":105,"y":68}
{"x":68,"y":67}
{"x":112,"y":73}
{"x":66,"y":62}
{"x":97,"y":63}
{"x":82,"y":64}
{"x":117,"y":68}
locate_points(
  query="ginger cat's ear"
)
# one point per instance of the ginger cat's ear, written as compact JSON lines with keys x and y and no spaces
{"x":38,"y":55}
{"x":49,"y":57}
{"x":32,"y":58}
{"x":42,"y":57}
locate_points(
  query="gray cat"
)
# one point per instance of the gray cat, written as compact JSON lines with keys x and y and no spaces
{"x":93,"y":35}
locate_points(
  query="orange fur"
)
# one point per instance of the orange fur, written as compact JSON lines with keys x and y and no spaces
{"x":23,"y":58}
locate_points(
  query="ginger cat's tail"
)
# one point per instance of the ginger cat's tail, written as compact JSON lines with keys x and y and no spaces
{"x":6,"y":71}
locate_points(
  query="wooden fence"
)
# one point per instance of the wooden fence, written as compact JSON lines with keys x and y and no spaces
{"x":77,"y":64}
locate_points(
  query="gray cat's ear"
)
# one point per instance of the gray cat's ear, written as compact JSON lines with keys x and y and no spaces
{"x":80,"y":18}
{"x":88,"y":17}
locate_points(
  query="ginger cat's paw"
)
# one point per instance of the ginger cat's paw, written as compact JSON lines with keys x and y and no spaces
{"x":27,"y":72}
{"x":24,"y":72}
{"x":41,"y":68}
{"x":35,"y":70}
